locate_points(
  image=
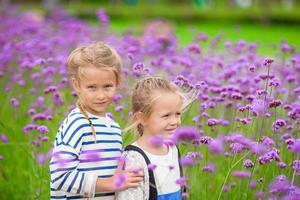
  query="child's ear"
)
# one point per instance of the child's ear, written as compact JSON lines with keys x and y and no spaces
{"x":141,"y":118}
{"x":75,"y":85}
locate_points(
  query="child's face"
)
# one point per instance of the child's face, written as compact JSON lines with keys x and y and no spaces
{"x":96,"y":89}
{"x":165,"y":116}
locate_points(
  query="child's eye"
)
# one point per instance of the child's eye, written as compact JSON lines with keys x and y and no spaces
{"x":167,"y":115}
{"x":107,"y":86}
{"x":91,"y":87}
{"x":178,"y":114}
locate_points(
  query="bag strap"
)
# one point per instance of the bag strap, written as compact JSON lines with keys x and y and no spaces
{"x":183,"y":189}
{"x":152,"y":185}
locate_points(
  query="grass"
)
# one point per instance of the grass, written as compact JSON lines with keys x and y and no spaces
{"x":268,"y":36}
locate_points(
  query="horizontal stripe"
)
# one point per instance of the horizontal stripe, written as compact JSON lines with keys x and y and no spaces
{"x":64,"y":152}
{"x":62,"y":169}
{"x":63,"y":161}
{"x":98,"y":159}
{"x":58,"y":197}
{"x":102,"y":133}
{"x":91,"y":134}
{"x":102,"y":141}
{"x":100,"y":150}
{"x":117,"y":127}
{"x":96,"y":168}
{"x":105,"y":176}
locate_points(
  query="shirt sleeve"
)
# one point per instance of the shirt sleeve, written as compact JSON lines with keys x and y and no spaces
{"x":64,"y":173}
{"x":135,"y":160}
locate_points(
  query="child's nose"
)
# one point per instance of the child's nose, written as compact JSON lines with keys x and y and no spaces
{"x":100,"y":95}
{"x":175,"y":120}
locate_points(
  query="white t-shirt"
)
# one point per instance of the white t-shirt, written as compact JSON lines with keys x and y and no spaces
{"x":166,"y":173}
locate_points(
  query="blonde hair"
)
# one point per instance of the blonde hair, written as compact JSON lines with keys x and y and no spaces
{"x":99,"y":55}
{"x":143,"y":99}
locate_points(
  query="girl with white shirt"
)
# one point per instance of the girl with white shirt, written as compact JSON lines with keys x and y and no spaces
{"x":156,"y":106}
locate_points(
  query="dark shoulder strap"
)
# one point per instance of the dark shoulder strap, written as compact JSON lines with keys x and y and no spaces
{"x":180,"y":166}
{"x":183,"y":189}
{"x":152,"y":185}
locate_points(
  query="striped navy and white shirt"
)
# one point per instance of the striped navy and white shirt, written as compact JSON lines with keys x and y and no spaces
{"x":77,"y":160}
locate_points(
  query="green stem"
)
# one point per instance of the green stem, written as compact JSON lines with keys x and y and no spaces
{"x":294,"y":173}
{"x":228,"y":173}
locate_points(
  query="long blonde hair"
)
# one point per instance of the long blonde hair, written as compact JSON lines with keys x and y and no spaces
{"x":99,"y":55}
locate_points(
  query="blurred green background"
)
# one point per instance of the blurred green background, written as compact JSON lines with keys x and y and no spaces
{"x":266,"y":22}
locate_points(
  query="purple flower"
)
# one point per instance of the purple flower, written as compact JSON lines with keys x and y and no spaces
{"x":152,"y":166}
{"x":258,"y":106}
{"x":252,"y":184}
{"x":42,"y":129}
{"x":39,"y":116}
{"x":50,"y":89}
{"x":182,"y":181}
{"x":119,"y":108}
{"x":156,"y":141}
{"x":205,"y":139}
{"x":241,"y":174}
{"x":281,"y":185}
{"x":209,"y":168}
{"x":269,"y":157}
{"x":281,"y":165}
{"x":268,"y":61}
{"x":267,"y":141}
{"x":236,"y":147}
{"x":191,"y":159}
{"x":186,"y":134}
{"x":212,"y":122}
{"x":29,"y":127}
{"x":296,"y":146}
{"x":280,"y":122}
{"x":14,"y":102}
{"x":41,"y":159}
{"x":248,"y":163}
{"x":31,"y":111}
{"x":216,"y":146}
{"x":117,"y":97}
{"x":3,"y":138}
{"x":103,"y":17}
{"x":259,"y":194}
{"x":136,"y":170}
{"x":296,"y":166}
{"x":119,"y":180}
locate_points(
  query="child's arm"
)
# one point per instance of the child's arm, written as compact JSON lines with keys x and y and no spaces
{"x":141,"y":192}
{"x":66,"y":177}
{"x":64,"y":173}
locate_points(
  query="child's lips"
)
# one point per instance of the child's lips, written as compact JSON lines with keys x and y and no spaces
{"x":171,"y":130}
{"x":100,"y":103}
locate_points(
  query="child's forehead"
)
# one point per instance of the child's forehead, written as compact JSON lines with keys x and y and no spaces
{"x":90,"y":70}
{"x":166,"y":99}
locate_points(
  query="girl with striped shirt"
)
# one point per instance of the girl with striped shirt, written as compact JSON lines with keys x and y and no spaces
{"x":85,"y":160}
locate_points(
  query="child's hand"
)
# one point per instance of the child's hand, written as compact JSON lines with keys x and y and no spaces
{"x":128,"y":178}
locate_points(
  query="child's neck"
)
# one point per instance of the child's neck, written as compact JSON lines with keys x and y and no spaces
{"x":143,"y":142}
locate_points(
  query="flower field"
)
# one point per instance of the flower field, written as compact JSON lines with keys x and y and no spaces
{"x":240,"y":139}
